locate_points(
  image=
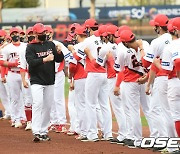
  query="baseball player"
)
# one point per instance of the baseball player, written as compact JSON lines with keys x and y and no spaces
{"x":133,"y":70}
{"x":41,"y":57}
{"x":58,"y":110}
{"x":26,"y":83}
{"x":10,"y":57}
{"x":78,"y":74}
{"x":168,"y":63}
{"x":106,"y":57}
{"x":159,"y":91}
{"x":3,"y":85}
{"x":96,"y":86}
{"x":22,"y":36}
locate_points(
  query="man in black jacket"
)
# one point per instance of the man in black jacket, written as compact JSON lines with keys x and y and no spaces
{"x":41,"y":56}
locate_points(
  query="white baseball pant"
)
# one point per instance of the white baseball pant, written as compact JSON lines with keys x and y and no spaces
{"x":162,"y":91}
{"x":15,"y":88}
{"x":5,"y":98}
{"x":74,"y":122}
{"x":174,"y":98}
{"x":118,"y":110}
{"x":58,"y":110}
{"x":41,"y":107}
{"x":96,"y":88}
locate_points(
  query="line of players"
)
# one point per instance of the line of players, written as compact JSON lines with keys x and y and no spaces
{"x":107,"y":62}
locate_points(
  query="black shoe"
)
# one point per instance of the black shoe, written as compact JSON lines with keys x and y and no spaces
{"x":130,"y":144}
{"x":37,"y":138}
{"x":158,"y":148}
{"x":121,"y":142}
{"x":107,"y":139}
{"x":114,"y":141}
{"x":126,"y":141}
{"x":84,"y":139}
{"x":176,"y":152}
{"x":45,"y":138}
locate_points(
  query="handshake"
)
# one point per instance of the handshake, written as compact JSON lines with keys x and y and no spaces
{"x":49,"y":58}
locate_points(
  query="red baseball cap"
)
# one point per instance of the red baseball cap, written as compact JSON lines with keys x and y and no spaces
{"x":127,"y":36}
{"x":73,"y":26}
{"x":13,"y":29}
{"x":121,"y":28}
{"x":39,"y":28}
{"x":176,"y":23}
{"x":159,"y":20}
{"x":90,"y":23}
{"x":30,"y":29}
{"x":49,"y":29}
{"x":2,"y":33}
{"x":118,"y":40}
{"x":111,"y":29}
{"x":170,"y":26}
{"x":80,"y":30}
{"x":21,"y":31}
{"x":69,"y":37}
{"x":101,"y":31}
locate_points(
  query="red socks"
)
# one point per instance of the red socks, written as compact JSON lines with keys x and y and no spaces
{"x":177,"y":125}
{"x":28,"y":111}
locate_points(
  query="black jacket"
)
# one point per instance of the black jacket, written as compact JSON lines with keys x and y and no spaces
{"x":42,"y":73}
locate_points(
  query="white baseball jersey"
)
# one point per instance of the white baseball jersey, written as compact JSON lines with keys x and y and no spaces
{"x":22,"y":59}
{"x":130,"y":58}
{"x":11,"y":53}
{"x":170,"y":53}
{"x":157,"y":46}
{"x":65,"y":51}
{"x":93,"y":47}
{"x":72,"y":59}
{"x":109,"y":47}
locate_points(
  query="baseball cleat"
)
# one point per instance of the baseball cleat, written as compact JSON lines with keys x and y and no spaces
{"x":36,"y":138}
{"x":45,"y":138}
{"x":6,"y":117}
{"x":106,"y":139}
{"x":28,"y":125}
{"x":70,"y":133}
{"x":18,"y":125}
{"x":78,"y":137}
{"x":84,"y":139}
{"x":61,"y":129}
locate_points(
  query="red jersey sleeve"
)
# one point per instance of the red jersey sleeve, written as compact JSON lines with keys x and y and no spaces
{"x":145,"y":63}
{"x":119,"y":79}
{"x":3,"y":71}
{"x":72,"y":68}
{"x":76,"y":57}
{"x":177,"y":64}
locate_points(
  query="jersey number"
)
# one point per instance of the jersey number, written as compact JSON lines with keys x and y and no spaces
{"x":135,"y":61}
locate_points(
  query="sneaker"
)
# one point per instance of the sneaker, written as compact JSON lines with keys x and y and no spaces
{"x":18,"y":125}
{"x":36,"y":138}
{"x":28,"y":125}
{"x":45,"y":138}
{"x":61,"y":129}
{"x":70,"y":133}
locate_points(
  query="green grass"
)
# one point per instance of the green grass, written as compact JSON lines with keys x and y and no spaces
{"x":66,"y":88}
